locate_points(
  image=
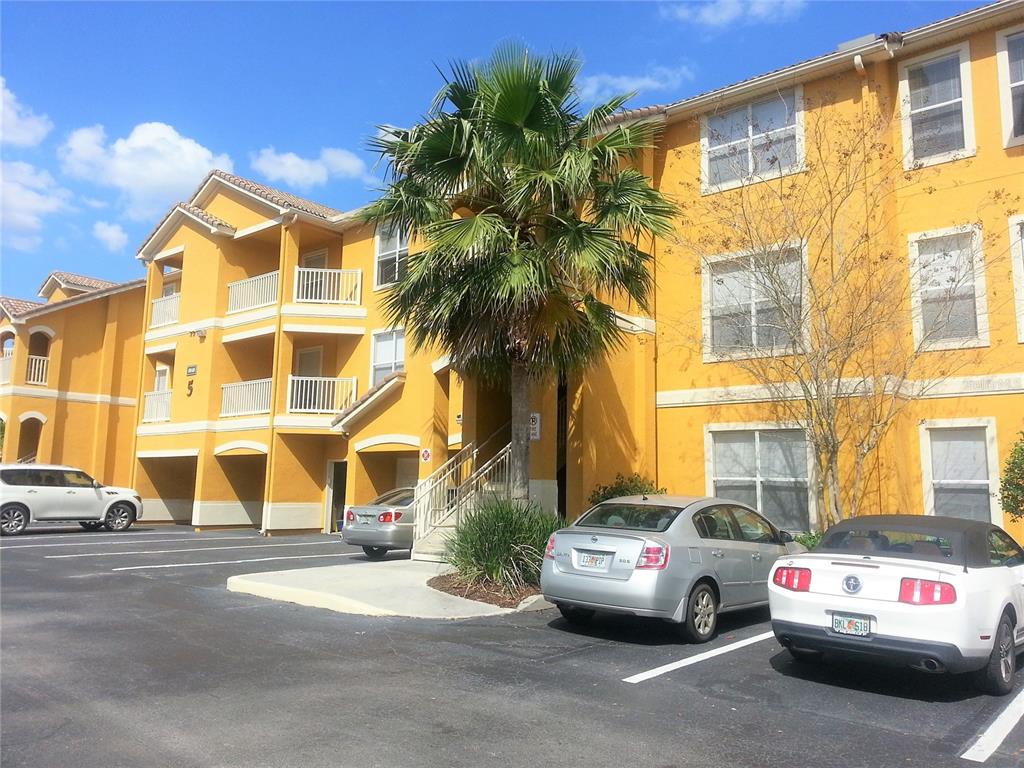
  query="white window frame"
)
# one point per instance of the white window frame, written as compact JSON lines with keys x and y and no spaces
{"x":157,"y":369}
{"x":970,"y":149}
{"x":299,"y":352}
{"x":171,"y":281}
{"x":374,"y":334}
{"x":991,"y":457}
{"x":377,"y":256}
{"x":708,"y":353}
{"x":759,"y":426}
{"x":706,"y":188}
{"x":1017,"y":265}
{"x":1003,"y":69}
{"x":980,"y":292}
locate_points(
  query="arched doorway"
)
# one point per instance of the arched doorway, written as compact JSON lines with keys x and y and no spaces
{"x":37,"y":370}
{"x":29,"y":432}
{"x":6,"y":356}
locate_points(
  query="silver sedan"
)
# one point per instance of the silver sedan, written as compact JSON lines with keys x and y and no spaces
{"x":678,"y":558}
{"x":385,"y":523}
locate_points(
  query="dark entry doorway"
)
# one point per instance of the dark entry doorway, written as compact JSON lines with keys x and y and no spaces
{"x":337,"y":473}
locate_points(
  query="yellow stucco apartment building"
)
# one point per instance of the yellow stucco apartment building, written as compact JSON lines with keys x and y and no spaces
{"x":264,"y":387}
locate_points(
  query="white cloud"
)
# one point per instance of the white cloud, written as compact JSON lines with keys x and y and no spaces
{"x":112,"y":236}
{"x":19,"y":125}
{"x":304,"y":172}
{"x":603,"y":86}
{"x":28,"y":194}
{"x":722,"y":13}
{"x":152,"y":167}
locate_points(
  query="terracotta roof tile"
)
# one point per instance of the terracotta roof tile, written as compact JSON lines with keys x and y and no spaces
{"x":14,"y":307}
{"x":276,"y":196}
{"x":397,"y":375}
{"x":83,"y":282}
{"x":206,"y":216}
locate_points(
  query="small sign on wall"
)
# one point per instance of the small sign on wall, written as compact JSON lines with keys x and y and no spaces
{"x":425,"y":455}
{"x":192,"y":370}
{"x":534,"y":426}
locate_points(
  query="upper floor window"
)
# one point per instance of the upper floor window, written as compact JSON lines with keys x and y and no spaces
{"x":752,"y":304}
{"x":756,"y":141}
{"x":935,"y":98}
{"x":388,"y":355}
{"x":1010,"y":63}
{"x":950,"y":309}
{"x":392,"y":253}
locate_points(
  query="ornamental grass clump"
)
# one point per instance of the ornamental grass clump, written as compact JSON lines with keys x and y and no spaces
{"x":500,"y":545}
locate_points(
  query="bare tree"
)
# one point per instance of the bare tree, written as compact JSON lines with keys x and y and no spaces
{"x":810,"y":287}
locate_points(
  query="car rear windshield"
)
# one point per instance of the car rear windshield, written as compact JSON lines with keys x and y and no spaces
{"x":637,"y":517}
{"x":932,"y":545}
{"x":401,"y":497}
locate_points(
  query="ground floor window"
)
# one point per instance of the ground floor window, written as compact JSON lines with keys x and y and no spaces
{"x":961,"y":485}
{"x":766,"y":469}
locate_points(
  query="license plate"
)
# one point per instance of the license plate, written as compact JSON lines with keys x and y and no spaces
{"x":851,"y":625}
{"x":588,"y":560}
{"x":365,"y":520}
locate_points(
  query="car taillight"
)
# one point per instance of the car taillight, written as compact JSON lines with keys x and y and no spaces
{"x":350,"y":516}
{"x":653,"y":557}
{"x":389,"y":517}
{"x":795,"y":579}
{"x":926,"y":592}
{"x":549,"y":550}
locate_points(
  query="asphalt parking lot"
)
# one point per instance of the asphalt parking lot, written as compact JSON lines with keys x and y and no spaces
{"x":127,"y":650}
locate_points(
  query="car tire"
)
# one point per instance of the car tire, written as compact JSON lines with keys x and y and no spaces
{"x":91,"y":525}
{"x":375,"y":553}
{"x":578,"y":617}
{"x":996,"y":677}
{"x":13,"y":520}
{"x":119,"y":517}
{"x":701,"y":614}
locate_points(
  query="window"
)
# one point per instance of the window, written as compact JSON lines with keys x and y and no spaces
{"x":20,"y":477}
{"x":716,"y":523}
{"x":637,"y":517}
{"x":961,"y":486}
{"x":1002,"y":550}
{"x":162,"y":379}
{"x":392,"y":252}
{"x":765,"y":469}
{"x":388,"y":355}
{"x":935,"y":98}
{"x":753,"y":303}
{"x":950,"y":308}
{"x":753,"y":527}
{"x":755,"y":141}
{"x":1010,"y":63}
{"x":76,"y":479}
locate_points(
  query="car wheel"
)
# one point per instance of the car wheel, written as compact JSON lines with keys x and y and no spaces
{"x":375,"y":553}
{"x":701,"y":615}
{"x":578,"y":617}
{"x":13,"y":520}
{"x":996,"y":677}
{"x":91,"y":525}
{"x":119,"y":518}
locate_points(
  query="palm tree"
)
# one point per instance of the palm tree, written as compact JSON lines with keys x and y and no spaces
{"x":532,"y":220}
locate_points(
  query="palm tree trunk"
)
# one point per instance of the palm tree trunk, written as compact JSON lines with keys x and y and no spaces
{"x":520,"y":413}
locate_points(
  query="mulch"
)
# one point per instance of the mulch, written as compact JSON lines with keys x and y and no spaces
{"x":483,"y":593}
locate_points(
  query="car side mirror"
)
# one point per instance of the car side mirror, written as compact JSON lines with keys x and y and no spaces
{"x":785,"y":537}
{"x":97,"y":484}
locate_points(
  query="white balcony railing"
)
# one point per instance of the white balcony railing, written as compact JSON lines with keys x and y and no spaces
{"x":328,"y":286}
{"x":319,"y":394}
{"x":38,"y":369}
{"x":156,"y":406}
{"x":253,"y":292}
{"x":6,"y":362}
{"x":245,"y":398}
{"x":165,"y":310}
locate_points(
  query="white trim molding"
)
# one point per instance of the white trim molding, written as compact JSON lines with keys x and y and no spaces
{"x":40,"y":417}
{"x":455,"y":438}
{"x":178,"y":250}
{"x":304,"y":421}
{"x":342,"y":424}
{"x":634,"y":323}
{"x":337,"y":330}
{"x":443,"y":362}
{"x":186,"y":427}
{"x":236,"y":445}
{"x":252,"y":333}
{"x":1005,"y":94}
{"x":320,"y":311}
{"x":411,"y":441}
{"x":161,"y":348}
{"x":980,"y":292}
{"x":1017,"y":264}
{"x":169,"y":453}
{"x":71,"y":397}
{"x":970,"y":149}
{"x":988,"y":423}
{"x":43,"y":329}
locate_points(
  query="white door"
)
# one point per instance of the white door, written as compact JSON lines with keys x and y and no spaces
{"x":315,"y":260}
{"x":407,"y":472}
{"x":309,"y":362}
{"x":170,"y":289}
{"x":162,"y":380}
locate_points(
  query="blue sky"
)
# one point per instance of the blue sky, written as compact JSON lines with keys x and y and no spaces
{"x":114,"y":111}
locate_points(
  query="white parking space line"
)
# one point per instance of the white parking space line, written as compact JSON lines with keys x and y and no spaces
{"x":990,"y":739}
{"x":134,"y":542}
{"x":192,"y":549}
{"x":231,"y":562}
{"x":666,"y":668}
{"x":11,"y":542}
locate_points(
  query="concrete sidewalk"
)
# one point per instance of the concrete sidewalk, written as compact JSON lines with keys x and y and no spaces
{"x":388,"y":588}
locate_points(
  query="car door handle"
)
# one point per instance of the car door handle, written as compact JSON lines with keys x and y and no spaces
{"x":31,"y":491}
{"x":756,"y":556}
{"x":717,"y":553}
{"x":69,"y":492}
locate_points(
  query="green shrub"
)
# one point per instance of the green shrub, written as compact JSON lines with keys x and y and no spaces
{"x":809,"y":540}
{"x":1011,"y":489}
{"x":633,"y":485}
{"x":501,"y":544}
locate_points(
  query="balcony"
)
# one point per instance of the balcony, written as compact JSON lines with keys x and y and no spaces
{"x":38,"y":370}
{"x":156,"y":406}
{"x":253,"y":292}
{"x":245,"y":398}
{"x":6,"y":362}
{"x":319,"y":394}
{"x":328,"y":286}
{"x":165,"y":310}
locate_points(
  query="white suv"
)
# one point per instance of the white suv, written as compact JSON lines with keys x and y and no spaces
{"x":31,"y":493}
